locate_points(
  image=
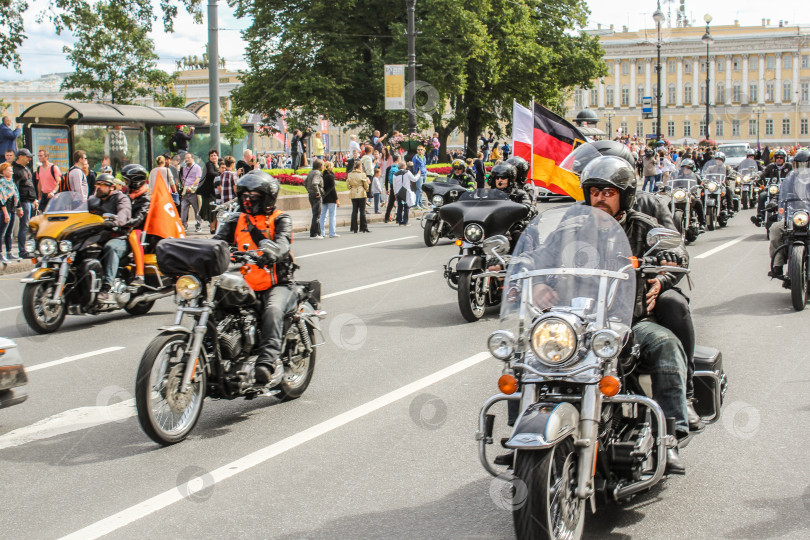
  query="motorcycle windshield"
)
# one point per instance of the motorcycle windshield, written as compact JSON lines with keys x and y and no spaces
{"x":747,"y":167}
{"x":713,"y":176}
{"x":683,"y":180}
{"x":795,"y":192}
{"x":66,"y":202}
{"x":567,"y":260}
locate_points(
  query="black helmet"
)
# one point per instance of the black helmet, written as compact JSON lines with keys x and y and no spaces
{"x":802,"y":159}
{"x":521,"y":166}
{"x":577,"y":160}
{"x":503,"y":170}
{"x":780,"y":153}
{"x":610,"y":171}
{"x":458,"y":164}
{"x":259,"y":182}
{"x":720,"y":155}
{"x":134,"y":175}
{"x":106,"y":179}
{"x":688,"y":164}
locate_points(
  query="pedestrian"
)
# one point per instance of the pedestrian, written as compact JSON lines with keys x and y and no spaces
{"x":206,"y":192}
{"x":434,"y":153}
{"x":420,"y":172}
{"x":404,"y":181}
{"x":115,"y":147}
{"x":91,"y":177}
{"x":243,"y":165}
{"x":330,"y":200}
{"x":485,"y":142}
{"x":480,"y":171}
{"x":495,"y":155}
{"x":317,"y":146}
{"x":8,"y":137}
{"x":389,"y":186}
{"x":296,"y":149}
{"x":165,"y":173}
{"x":76,"y":180}
{"x":10,"y":200}
{"x":649,"y":169}
{"x":11,"y":155}
{"x":227,"y":181}
{"x":376,"y":189}
{"x":190,"y":175}
{"x":314,"y":185}
{"x":48,"y":177}
{"x":24,"y":180}
{"x":377,"y":141}
{"x":358,"y":185}
{"x":354,"y":145}
{"x":506,"y":150}
{"x":179,"y":141}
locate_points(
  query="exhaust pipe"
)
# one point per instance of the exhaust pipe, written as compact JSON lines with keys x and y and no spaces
{"x":148,"y":298}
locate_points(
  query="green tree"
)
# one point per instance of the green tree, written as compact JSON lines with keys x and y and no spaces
{"x":232,"y":128}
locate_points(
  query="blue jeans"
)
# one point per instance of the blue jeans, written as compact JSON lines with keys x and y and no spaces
{"x":376,"y":203}
{"x":651,"y":181}
{"x":663,"y":358}
{"x":27,"y":207}
{"x":111,"y":254}
{"x":402,"y":213}
{"x":419,"y":182}
{"x":331,"y":210}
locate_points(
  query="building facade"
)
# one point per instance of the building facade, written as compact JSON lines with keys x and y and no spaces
{"x":759,"y":84}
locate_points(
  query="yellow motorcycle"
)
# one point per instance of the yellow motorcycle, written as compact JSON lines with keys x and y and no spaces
{"x":66,"y":241}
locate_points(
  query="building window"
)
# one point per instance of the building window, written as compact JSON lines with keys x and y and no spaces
{"x":768,"y":127}
{"x":702,"y":93}
{"x":640,"y":68}
{"x":753,"y":91}
{"x":787,"y":61}
{"x":687,"y":128}
{"x":671,"y":94}
{"x":753,"y":63}
{"x":803,"y":128}
{"x":639,"y":129}
{"x":578,"y":98}
{"x":625,"y":96}
{"x":719,"y":129}
{"x":752,"y":127}
{"x":805,"y":92}
{"x":805,"y":61}
{"x":786,"y":92}
{"x":687,"y":67}
{"x":703,"y":64}
{"x":639,"y":94}
{"x":609,"y":96}
{"x":625,"y":68}
{"x":735,"y":128}
{"x":785,"y":126}
{"x":655,"y":127}
{"x":735,"y":64}
{"x":610,"y":69}
{"x":623,"y":127}
{"x":671,"y":66}
{"x":594,"y":97}
{"x":770,"y":62}
{"x":687,"y":93}
{"x":702,"y":129}
{"x":721,"y":64}
{"x":736,"y":95}
{"x":670,"y":129}
{"x":769,"y":89}
{"x":721,"y":93}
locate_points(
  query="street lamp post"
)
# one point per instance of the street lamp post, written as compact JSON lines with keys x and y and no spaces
{"x":707,"y":39}
{"x":758,"y":110}
{"x":658,"y":17}
{"x":411,"y":65}
{"x":610,"y":125}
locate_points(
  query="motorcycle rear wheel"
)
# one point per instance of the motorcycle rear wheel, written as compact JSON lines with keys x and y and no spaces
{"x":166,"y":415}
{"x":551,"y":509}
{"x":431,"y":232}
{"x":797,"y":272}
{"x":710,"y":219}
{"x":298,"y":375}
{"x":471,"y":299}
{"x":42,"y":318}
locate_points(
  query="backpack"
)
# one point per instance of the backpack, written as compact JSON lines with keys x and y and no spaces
{"x":52,"y":173}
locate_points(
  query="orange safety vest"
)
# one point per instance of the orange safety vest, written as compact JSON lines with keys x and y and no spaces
{"x":259,"y":279}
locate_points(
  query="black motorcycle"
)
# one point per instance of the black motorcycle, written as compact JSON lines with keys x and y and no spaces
{"x":747,"y":188}
{"x":795,"y":201}
{"x":216,"y":356}
{"x":477,"y":216}
{"x":714,"y":196}
{"x":587,"y":431}
{"x":680,"y":195}
{"x":772,"y":187}
{"x":439,"y":194}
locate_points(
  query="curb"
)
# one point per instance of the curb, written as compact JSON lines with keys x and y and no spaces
{"x":370,"y":218}
{"x":16,"y":267}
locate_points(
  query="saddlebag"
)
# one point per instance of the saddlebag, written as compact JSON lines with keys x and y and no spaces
{"x":203,"y":258}
{"x":710,"y":382}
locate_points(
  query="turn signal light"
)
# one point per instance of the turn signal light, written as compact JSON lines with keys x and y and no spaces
{"x":781,"y":210}
{"x":634,"y":261}
{"x":609,"y":385}
{"x":507,"y":384}
{"x":459,"y":242}
{"x":34,"y":260}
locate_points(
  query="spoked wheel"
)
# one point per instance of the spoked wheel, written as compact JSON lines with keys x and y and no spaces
{"x":166,"y":414}
{"x":40,"y":313}
{"x":298,"y":371}
{"x":431,"y":232}
{"x":551,"y":509}
{"x":472,"y":297}
{"x":797,"y":272}
{"x":711,"y":217}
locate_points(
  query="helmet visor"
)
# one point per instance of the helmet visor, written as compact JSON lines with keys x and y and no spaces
{"x":576,"y":161}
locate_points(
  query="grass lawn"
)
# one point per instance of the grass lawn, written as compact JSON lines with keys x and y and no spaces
{"x":301,"y":190}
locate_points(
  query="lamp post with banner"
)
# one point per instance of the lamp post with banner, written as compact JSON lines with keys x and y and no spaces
{"x":707,"y":39}
{"x":658,"y":17}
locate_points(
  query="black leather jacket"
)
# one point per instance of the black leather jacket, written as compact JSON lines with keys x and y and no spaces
{"x":117,"y":203}
{"x":772,"y":171}
{"x":465,"y":179}
{"x":140,"y":207}
{"x":283,"y":237}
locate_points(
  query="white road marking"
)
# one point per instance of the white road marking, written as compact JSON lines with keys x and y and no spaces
{"x":379,"y":283}
{"x":167,"y":498}
{"x":68,"y":422}
{"x":67,"y":359}
{"x":721,"y":247}
{"x":353,"y":247}
{"x":10,"y":308}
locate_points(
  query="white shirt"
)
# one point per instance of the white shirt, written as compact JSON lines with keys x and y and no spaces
{"x":354,"y":145}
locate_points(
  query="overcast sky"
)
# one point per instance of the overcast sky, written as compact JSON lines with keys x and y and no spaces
{"x":42,"y":51}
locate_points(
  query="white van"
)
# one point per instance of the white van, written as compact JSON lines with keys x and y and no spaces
{"x":735,"y":152}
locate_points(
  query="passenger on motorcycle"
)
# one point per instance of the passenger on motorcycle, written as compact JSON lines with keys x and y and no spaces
{"x":777,"y":230}
{"x":136,"y":178}
{"x":504,"y":177}
{"x":108,"y":200}
{"x":259,"y":225}
{"x":780,"y":168}
{"x":460,"y":175}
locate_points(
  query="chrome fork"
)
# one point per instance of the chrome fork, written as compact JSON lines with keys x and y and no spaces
{"x":199,"y":333}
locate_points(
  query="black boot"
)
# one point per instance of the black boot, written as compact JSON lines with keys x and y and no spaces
{"x":696,"y":425}
{"x":756,"y":220}
{"x":263,"y":373}
{"x":777,"y":272}
{"x":505,"y":459}
{"x":104,"y":293}
{"x":674,"y":463}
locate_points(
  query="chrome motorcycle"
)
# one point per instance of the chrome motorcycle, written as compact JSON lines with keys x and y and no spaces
{"x":682,"y":192}
{"x":439,"y":193}
{"x":747,"y":188}
{"x":714,"y":196}
{"x":795,"y":213}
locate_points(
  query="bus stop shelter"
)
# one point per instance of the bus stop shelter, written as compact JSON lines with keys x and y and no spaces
{"x":61,"y":127}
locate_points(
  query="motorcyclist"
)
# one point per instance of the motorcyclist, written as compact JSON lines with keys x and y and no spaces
{"x":459,"y":175}
{"x":522,"y":168}
{"x":779,"y":169}
{"x":259,"y":225}
{"x":749,"y":161}
{"x":730,"y":176}
{"x":504,"y":177}
{"x":688,"y":171}
{"x":116,"y":209}
{"x":136,"y":178}
{"x":777,"y":230}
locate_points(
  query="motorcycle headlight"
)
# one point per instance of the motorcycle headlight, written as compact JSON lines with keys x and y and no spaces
{"x":188,"y":287}
{"x":800,"y":219}
{"x":773,"y":190}
{"x":47,"y":246}
{"x":65,"y":246}
{"x":501,"y":344}
{"x":746,"y":179}
{"x":30,"y":246}
{"x":679,"y":195}
{"x":711,"y":186}
{"x":473,"y":233}
{"x":553,"y":341}
{"x":437,"y":200}
{"x":605,"y":343}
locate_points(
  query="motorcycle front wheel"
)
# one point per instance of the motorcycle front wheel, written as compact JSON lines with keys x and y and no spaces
{"x":710,"y":218}
{"x":42,"y":317}
{"x":551,"y":509}
{"x":472,"y":299}
{"x":745,"y":200}
{"x":165,"y":414}
{"x":797,"y":272}
{"x":431,"y":232}
{"x":680,"y":223}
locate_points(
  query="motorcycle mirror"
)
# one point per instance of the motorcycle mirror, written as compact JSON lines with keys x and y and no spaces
{"x":108,"y":215}
{"x":660,"y":237}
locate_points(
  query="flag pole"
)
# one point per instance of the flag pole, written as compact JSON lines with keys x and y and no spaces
{"x":531,"y":160}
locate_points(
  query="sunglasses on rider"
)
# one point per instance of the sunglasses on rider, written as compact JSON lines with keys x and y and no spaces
{"x":605,"y":191}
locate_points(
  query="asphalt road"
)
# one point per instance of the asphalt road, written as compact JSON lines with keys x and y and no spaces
{"x":381,"y":444}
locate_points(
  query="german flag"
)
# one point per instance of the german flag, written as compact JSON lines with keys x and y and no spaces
{"x":554,"y":138}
